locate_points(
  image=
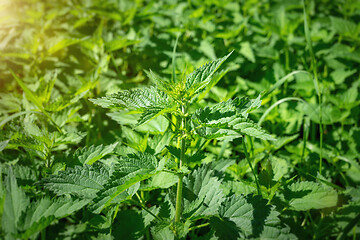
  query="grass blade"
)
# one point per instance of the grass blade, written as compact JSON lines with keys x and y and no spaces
{"x":315,"y":79}
{"x":278,"y":103}
{"x":282,"y":81}
{"x":173,"y":77}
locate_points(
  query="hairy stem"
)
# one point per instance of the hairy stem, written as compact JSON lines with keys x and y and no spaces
{"x":251,"y":167}
{"x":182,"y":159}
{"x":252,"y":147}
{"x":179,"y":199}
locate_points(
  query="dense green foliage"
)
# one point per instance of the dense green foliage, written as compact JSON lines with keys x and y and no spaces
{"x":183,"y":119}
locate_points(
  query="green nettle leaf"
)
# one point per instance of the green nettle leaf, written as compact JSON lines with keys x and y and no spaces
{"x":199,"y":79}
{"x":150,"y":101}
{"x":196,"y":157}
{"x":89,"y":155}
{"x":344,"y":27}
{"x":250,"y":128}
{"x":130,"y":170}
{"x":280,"y":167}
{"x":37,"y":227}
{"x":63,"y":43}
{"x":248,"y":217}
{"x":247,"y":51}
{"x":202,"y":193}
{"x":167,"y":208}
{"x":42,"y":213}
{"x":303,"y":196}
{"x":71,"y":98}
{"x":118,"y":189}
{"x":245,"y":105}
{"x":117,"y":44}
{"x":152,"y":112}
{"x":228,"y":119}
{"x":137,"y":163}
{"x":82,"y":181}
{"x":23,"y":174}
{"x":15,"y":204}
{"x":3,"y":144}
{"x":238,"y":187}
{"x":148,"y":216}
{"x":129,"y":225}
{"x":162,"y":232}
{"x":164,"y":159}
{"x":157,"y":125}
{"x":162,"y":84}
{"x":132,"y":99}
{"x":161,"y":180}
{"x":175,"y":152}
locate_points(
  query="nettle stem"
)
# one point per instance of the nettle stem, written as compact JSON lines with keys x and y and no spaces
{"x":181,"y":160}
{"x":179,"y":199}
{"x":251,"y":167}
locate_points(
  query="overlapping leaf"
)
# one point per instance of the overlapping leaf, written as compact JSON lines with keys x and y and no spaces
{"x":150,"y":101}
{"x":228,"y":119}
{"x":248,"y":217}
{"x":15,"y":204}
{"x":161,"y":83}
{"x":198,"y":79}
{"x":100,"y":183}
{"x":136,"y":99}
{"x":302,"y":196}
{"x":89,"y":155}
{"x":131,"y":170}
{"x":82,"y":181}
{"x":202,"y":193}
{"x":42,"y":213}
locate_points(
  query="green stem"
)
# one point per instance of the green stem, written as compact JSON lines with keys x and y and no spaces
{"x":316,"y":81}
{"x":278,"y":103}
{"x":181,"y":160}
{"x":348,"y":227}
{"x":321,"y":141}
{"x":287,"y":57}
{"x":173,"y":77}
{"x":43,"y":234}
{"x":305,"y":138}
{"x":115,"y":66}
{"x":140,"y":199}
{"x":178,"y":199}
{"x":201,"y":146}
{"x":146,"y":209}
{"x":169,"y":120}
{"x":251,"y":147}
{"x":314,"y":67}
{"x":88,"y":135}
{"x":199,"y":226}
{"x":147,"y":234}
{"x":252,"y":169}
{"x":354,"y":233}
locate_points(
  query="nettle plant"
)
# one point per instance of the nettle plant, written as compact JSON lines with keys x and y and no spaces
{"x":191,"y":202}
